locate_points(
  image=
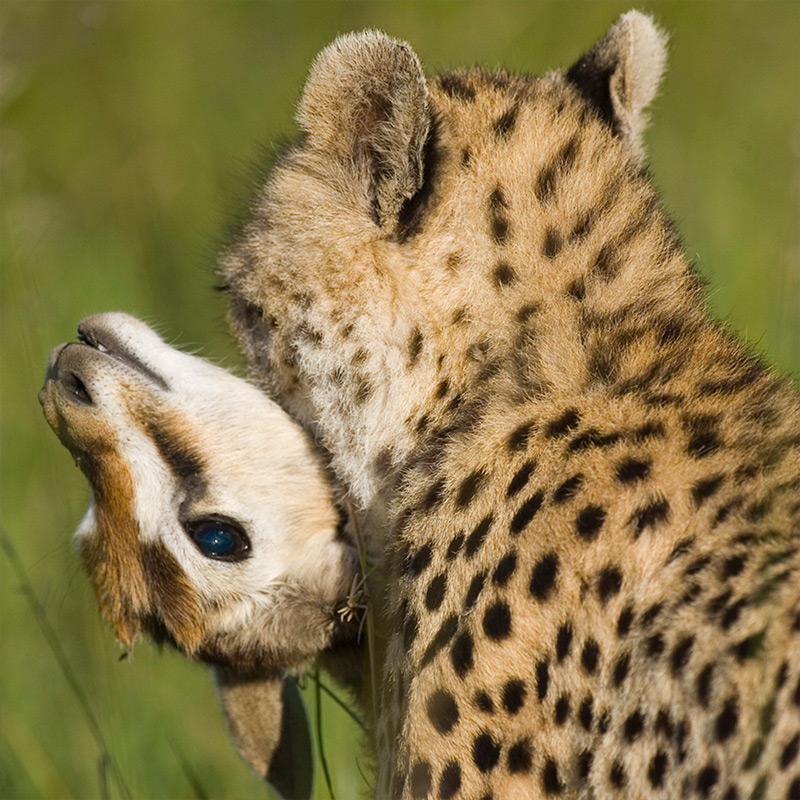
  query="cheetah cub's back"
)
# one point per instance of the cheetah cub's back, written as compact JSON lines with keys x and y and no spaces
{"x":586,"y":489}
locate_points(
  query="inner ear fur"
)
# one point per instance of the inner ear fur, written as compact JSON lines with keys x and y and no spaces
{"x":620,"y":76}
{"x":365,"y":103}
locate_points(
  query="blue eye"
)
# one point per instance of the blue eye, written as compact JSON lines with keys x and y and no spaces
{"x":218,"y":538}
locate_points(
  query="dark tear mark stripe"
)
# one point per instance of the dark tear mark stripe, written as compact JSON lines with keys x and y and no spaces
{"x":184,"y":464}
{"x":175,"y":602}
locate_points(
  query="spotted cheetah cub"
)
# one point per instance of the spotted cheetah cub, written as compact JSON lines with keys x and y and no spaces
{"x":212,"y":525}
{"x":587,"y":489}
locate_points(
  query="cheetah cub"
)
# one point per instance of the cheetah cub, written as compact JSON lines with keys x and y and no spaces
{"x":212,"y":525}
{"x":588,"y":490}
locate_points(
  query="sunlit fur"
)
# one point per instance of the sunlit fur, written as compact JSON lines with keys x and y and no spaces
{"x":166,"y":438}
{"x":588,"y":488}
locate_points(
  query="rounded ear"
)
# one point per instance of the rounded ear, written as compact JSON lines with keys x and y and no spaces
{"x":621,"y":74}
{"x":365,"y":103}
{"x":268,"y":723}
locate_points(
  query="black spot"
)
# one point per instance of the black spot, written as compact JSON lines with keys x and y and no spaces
{"x":577,"y":289}
{"x":589,"y":521}
{"x":664,"y":724}
{"x":443,"y":636}
{"x":518,"y":438}
{"x":505,"y":569}
{"x":568,"y":489}
{"x":550,"y":780}
{"x":717,"y":603}
{"x":542,"y":678}
{"x":707,"y":779}
{"x":484,"y":703}
{"x":527,"y":311}
{"x":457,"y":87}
{"x":704,"y":441}
{"x":478,"y":536}
{"x":474,"y":590}
{"x":520,"y":757}
{"x":420,"y":560}
{"x":414,"y":346}
{"x":450,"y":782}
{"x":633,"y":726}
{"x":503,"y":274}
{"x":727,"y":720}
{"x":497,"y":621}
{"x":553,"y":171}
{"x":485,"y":752}
{"x":704,"y":680}
{"x":410,"y":630}
{"x":442,"y":389}
{"x":436,"y":592}
{"x":420,"y":780}
{"x":514,"y":696}
{"x":561,"y":426}
{"x":698,"y":565}
{"x":632,"y":470}
{"x":616,"y":774}
{"x":789,"y":753}
{"x":504,"y":124}
{"x":624,"y":622}
{"x":654,"y":645}
{"x":607,"y":262}
{"x":794,"y":790}
{"x":562,"y":709}
{"x":497,"y":199}
{"x":543,"y":576}
{"x":563,"y":642}
{"x":649,"y":430}
{"x":680,"y":655}
{"x":433,"y":497}
{"x":652,"y":614}
{"x":621,"y":669}
{"x":521,"y":478}
{"x":750,"y":647}
{"x":461,"y":653}
{"x":443,"y":711}
{"x":609,"y":583}
{"x":552,"y":243}
{"x":706,"y":488}
{"x":657,"y":769}
{"x":590,"y":655}
{"x":603,"y":723}
{"x":500,"y":233}
{"x":586,"y":713}
{"x":585,"y":759}
{"x":469,"y":488}
{"x":455,"y":546}
{"x":651,"y":515}
{"x":459,"y":315}
{"x":526,"y":512}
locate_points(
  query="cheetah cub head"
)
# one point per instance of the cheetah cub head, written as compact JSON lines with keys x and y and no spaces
{"x":212,"y":525}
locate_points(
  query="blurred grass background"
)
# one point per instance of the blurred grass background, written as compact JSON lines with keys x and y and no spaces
{"x":127,"y":131}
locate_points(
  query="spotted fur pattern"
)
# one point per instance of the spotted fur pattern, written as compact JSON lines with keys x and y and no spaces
{"x":586,"y":489}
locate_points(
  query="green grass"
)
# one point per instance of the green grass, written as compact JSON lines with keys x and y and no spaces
{"x":127,"y":130}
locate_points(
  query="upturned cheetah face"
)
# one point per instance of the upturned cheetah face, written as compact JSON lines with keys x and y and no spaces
{"x":197,"y":532}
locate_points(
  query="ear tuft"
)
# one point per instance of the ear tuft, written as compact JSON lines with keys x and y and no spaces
{"x":620,"y":76}
{"x":365,"y":102}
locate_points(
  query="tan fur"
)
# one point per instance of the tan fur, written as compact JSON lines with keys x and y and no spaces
{"x":587,"y":490}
